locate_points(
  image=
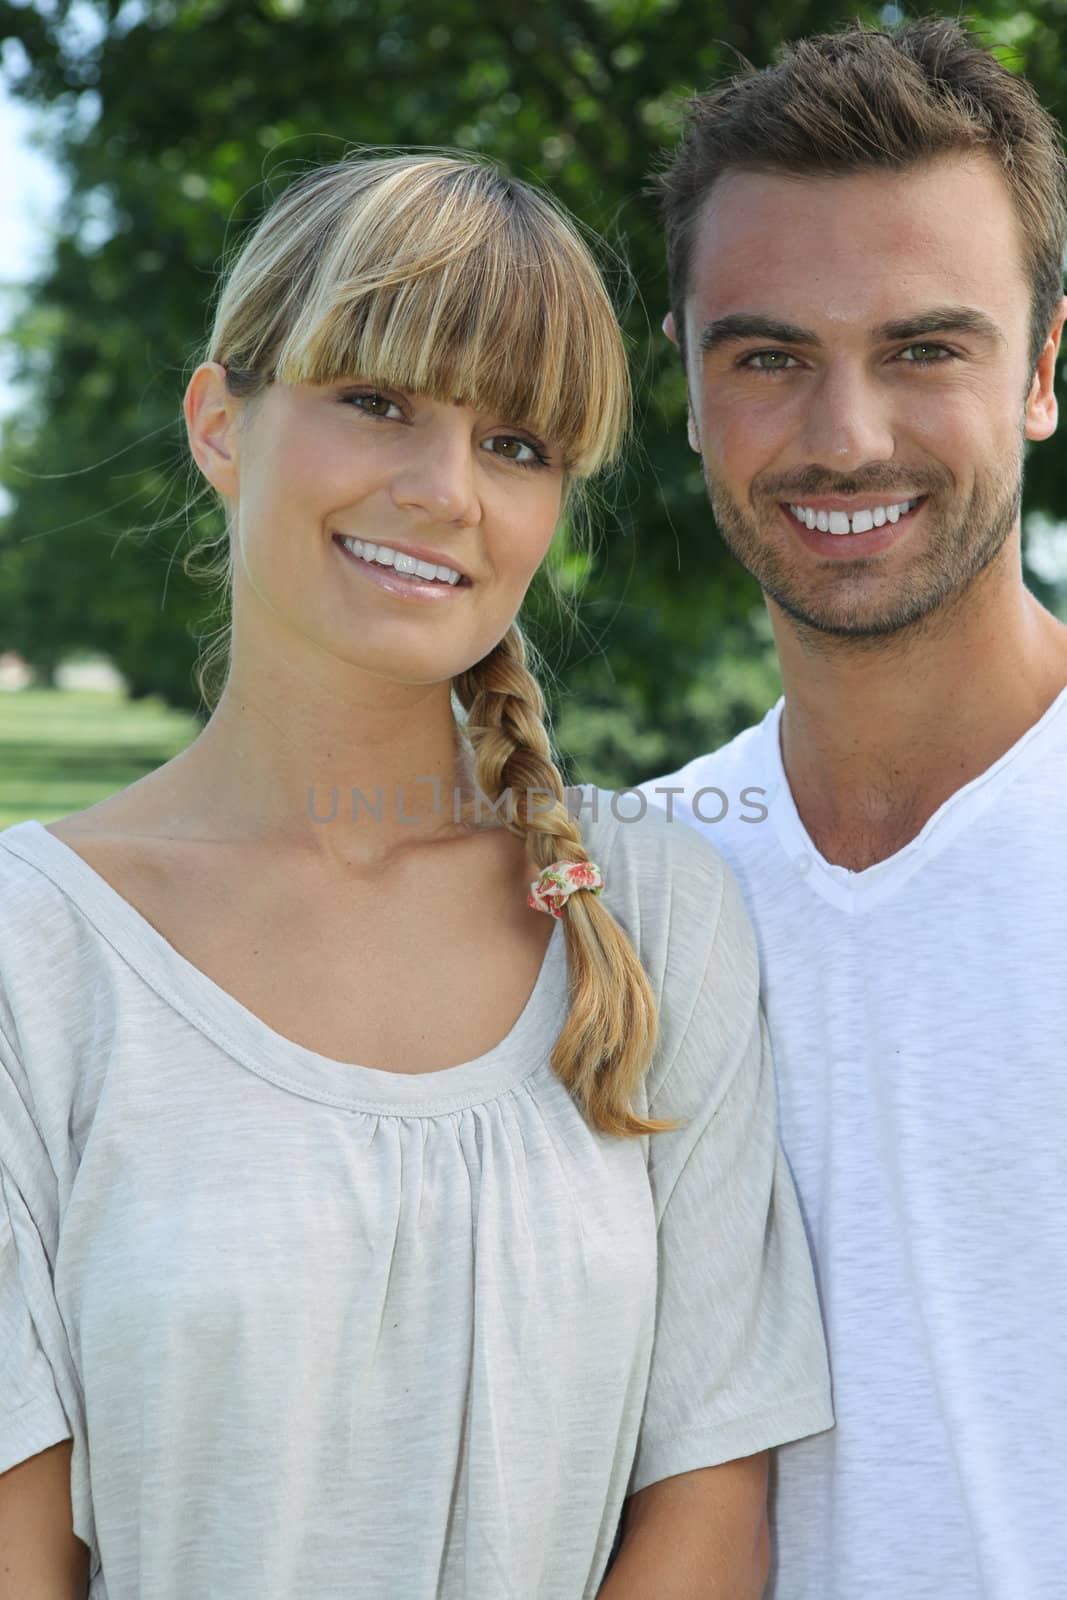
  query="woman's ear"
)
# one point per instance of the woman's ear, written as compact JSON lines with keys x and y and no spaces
{"x":210,"y":419}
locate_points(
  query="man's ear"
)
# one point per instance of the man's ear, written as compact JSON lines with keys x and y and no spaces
{"x":1041,"y":408}
{"x":670,"y":328}
{"x":210,"y":419}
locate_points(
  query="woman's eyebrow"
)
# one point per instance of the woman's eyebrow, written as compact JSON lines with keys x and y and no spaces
{"x":917,"y":325}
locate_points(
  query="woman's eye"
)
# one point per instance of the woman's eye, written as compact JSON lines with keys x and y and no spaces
{"x":373,"y":404}
{"x":769,"y":360}
{"x":514,"y":449}
{"x":925,"y":355}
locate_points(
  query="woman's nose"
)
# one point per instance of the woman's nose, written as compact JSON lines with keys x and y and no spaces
{"x":438,"y":479}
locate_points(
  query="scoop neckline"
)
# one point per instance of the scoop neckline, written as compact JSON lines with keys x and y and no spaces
{"x":187,"y":989}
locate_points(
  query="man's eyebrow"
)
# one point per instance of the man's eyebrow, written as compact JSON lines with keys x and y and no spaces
{"x":943,"y":319}
{"x":743,"y":325}
{"x":749,"y":325}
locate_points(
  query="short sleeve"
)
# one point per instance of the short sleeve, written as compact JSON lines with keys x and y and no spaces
{"x":32,"y":1416}
{"x":31,"y":1413}
{"x":739,"y":1359}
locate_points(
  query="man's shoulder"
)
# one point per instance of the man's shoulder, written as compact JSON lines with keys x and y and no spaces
{"x":735,"y":776}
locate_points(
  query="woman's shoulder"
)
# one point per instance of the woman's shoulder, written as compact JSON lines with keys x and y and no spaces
{"x":24,"y":884}
{"x":44,"y":935}
{"x":33,"y":967}
{"x":666,"y":883}
{"x":658,"y":855}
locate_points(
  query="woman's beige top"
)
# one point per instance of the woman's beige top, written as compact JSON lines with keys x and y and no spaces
{"x":319,"y":1330}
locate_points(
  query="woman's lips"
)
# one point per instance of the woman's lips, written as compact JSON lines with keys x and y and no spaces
{"x":431,"y":590}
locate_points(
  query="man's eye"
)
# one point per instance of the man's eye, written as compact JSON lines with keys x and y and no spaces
{"x":925,"y":355}
{"x":769,"y":361}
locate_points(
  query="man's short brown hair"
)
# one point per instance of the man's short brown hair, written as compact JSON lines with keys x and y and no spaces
{"x":863,"y":100}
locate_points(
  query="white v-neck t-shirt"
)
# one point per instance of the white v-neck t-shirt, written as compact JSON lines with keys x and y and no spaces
{"x":319,"y":1330}
{"x":918,"y":1016}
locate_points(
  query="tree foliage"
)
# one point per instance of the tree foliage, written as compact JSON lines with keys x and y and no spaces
{"x":176,"y":121}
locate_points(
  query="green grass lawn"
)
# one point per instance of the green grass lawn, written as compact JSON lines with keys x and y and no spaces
{"x":64,"y":749}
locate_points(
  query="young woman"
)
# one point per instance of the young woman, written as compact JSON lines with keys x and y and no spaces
{"x":362,"y":1231}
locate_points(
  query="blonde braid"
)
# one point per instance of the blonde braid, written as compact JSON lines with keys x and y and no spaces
{"x":607,"y":1040}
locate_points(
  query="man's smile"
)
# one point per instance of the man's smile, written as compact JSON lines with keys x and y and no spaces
{"x":864,"y":529}
{"x":839,"y":517}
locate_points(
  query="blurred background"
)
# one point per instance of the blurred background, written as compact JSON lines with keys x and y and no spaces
{"x":138,"y":139}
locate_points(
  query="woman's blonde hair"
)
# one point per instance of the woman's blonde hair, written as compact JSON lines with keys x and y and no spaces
{"x":446,"y":277}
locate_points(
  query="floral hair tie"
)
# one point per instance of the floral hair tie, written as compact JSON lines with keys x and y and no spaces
{"x":554,"y":885}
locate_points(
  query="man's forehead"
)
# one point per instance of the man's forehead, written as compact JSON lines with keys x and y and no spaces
{"x":943,"y":188}
{"x":858,"y":251}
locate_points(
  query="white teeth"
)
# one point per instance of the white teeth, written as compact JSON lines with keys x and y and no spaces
{"x":408,"y":565}
{"x":862,"y":521}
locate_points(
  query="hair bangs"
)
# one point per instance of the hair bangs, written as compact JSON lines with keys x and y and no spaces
{"x":476,"y":293}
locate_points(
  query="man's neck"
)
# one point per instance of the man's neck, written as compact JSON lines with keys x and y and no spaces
{"x":876,"y":738}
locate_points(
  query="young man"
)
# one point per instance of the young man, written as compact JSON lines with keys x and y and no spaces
{"x":866,"y":247}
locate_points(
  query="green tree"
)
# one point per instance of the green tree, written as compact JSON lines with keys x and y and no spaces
{"x":176,"y":122}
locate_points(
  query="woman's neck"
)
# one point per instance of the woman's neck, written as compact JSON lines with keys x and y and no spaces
{"x":349,"y":770}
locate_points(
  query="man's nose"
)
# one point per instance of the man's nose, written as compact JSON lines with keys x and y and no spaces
{"x":847,"y":420}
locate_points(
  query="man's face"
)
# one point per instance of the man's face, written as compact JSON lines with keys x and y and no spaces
{"x":857,"y":354}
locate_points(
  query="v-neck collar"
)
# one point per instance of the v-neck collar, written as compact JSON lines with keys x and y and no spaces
{"x":853,"y":891}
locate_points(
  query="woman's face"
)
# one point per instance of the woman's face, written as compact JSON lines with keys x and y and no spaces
{"x":338,"y":490}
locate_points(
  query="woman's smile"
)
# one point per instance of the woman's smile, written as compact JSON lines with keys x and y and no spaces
{"x":402,"y":572}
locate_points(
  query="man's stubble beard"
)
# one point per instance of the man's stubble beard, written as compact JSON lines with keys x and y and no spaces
{"x":951,"y":558}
